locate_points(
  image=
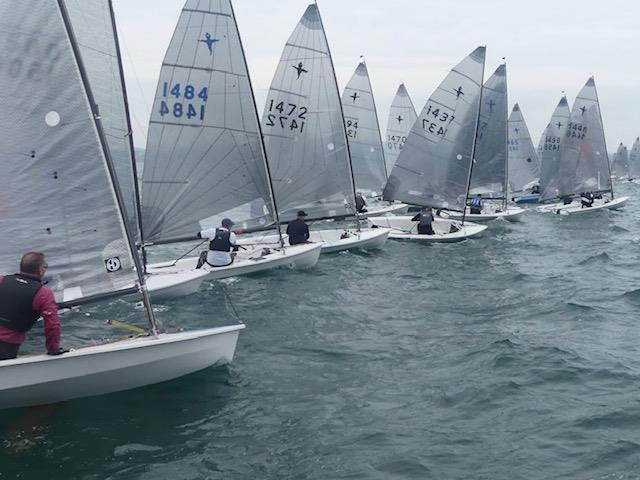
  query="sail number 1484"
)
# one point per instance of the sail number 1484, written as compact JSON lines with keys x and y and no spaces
{"x":189,"y":107}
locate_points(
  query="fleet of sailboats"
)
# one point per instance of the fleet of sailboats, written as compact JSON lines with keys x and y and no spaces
{"x":55,"y":122}
{"x":210,"y":156}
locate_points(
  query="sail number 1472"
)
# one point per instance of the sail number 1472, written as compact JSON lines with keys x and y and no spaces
{"x":192,"y":104}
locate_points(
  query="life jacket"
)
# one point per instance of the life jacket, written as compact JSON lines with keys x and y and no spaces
{"x":16,"y":299}
{"x":221,"y":242}
{"x":476,"y":202}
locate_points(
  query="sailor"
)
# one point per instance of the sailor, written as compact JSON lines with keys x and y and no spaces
{"x":222,"y":241}
{"x":535,"y":189}
{"x":587,"y":199}
{"x":476,"y":205}
{"x":425,"y":222}
{"x":298,"y":230}
{"x":361,"y":203}
{"x":24,"y":298}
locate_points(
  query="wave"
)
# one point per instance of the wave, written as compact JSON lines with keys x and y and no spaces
{"x":602,"y":257}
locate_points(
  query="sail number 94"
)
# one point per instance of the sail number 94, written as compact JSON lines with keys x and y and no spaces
{"x":286,"y":115}
{"x":192,"y":106}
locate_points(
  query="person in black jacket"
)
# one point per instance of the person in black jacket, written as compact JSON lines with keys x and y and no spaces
{"x":298,"y":230}
{"x":425,"y":222}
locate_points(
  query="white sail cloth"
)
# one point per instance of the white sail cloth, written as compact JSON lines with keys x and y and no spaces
{"x":56,"y":188}
{"x":204,"y":157}
{"x":524,"y":168}
{"x":434,"y":165}
{"x":402,"y":116}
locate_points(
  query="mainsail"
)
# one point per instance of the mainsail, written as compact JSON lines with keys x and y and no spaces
{"x":634,"y":160}
{"x":434,"y":165}
{"x":204,"y":157}
{"x":620,"y":164}
{"x":363,"y":133}
{"x":524,"y":169}
{"x":94,"y":29}
{"x":584,"y":162}
{"x":57,"y":192}
{"x":402,"y":116}
{"x":550,"y":150}
{"x":489,"y":174}
{"x":304,"y":129}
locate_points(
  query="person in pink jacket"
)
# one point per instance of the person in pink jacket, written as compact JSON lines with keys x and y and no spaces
{"x":24,"y":298}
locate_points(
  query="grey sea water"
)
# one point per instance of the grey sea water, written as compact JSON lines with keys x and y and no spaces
{"x":513,"y":356}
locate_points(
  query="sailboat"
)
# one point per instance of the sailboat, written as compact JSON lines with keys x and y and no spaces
{"x":620,"y":164}
{"x":524,"y":167}
{"x":402,"y":116}
{"x":434,"y":167}
{"x":306,"y":140}
{"x":55,"y":154}
{"x":365,"y":143}
{"x":490,"y":173}
{"x":205,"y":158}
{"x":634,"y":160}
{"x":94,"y":26}
{"x":549,"y":149}
{"x":583,"y":164}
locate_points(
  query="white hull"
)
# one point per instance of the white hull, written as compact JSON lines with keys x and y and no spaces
{"x":575,"y":207}
{"x":364,"y":239}
{"x":378,"y":210}
{"x":403,"y":228}
{"x":248,"y":261}
{"x":123,"y":365}
{"x":174,"y":284}
{"x":330,"y":240}
{"x":512,"y":214}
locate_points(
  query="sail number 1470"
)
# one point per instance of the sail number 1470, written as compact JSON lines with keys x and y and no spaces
{"x":189,"y":106}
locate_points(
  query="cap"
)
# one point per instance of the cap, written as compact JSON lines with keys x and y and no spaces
{"x":226,"y":222}
{"x":302,"y":213}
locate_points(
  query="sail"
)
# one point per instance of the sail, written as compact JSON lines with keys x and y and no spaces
{"x":550,"y":150}
{"x":524,"y":170}
{"x":56,"y":188}
{"x":584,"y":162}
{"x":489,"y":172}
{"x":634,"y":159}
{"x":204,"y":159}
{"x":402,"y":116}
{"x":433,"y":167}
{"x":304,"y":130}
{"x":363,"y":133}
{"x":620,"y":163}
{"x":95,"y":32}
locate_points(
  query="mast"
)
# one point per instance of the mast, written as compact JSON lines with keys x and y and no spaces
{"x":606,"y":153}
{"x":506,"y":139}
{"x":259,"y":123}
{"x":136,"y":186}
{"x":375,"y":112}
{"x":343,"y":129}
{"x":475,"y":138}
{"x":110,"y":168}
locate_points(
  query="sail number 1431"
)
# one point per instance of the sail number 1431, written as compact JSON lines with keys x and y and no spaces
{"x":189,"y":107}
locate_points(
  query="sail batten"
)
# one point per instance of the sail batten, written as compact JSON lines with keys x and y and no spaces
{"x":433,"y":167}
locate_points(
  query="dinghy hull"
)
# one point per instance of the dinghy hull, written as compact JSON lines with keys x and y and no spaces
{"x":403,"y":228}
{"x":113,"y":367}
{"x":512,"y":214}
{"x":248,"y":262}
{"x":575,"y":207}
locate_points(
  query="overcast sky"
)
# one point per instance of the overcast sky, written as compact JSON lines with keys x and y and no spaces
{"x":550,"y":46}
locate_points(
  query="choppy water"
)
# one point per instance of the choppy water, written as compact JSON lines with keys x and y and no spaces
{"x":514,"y":356}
